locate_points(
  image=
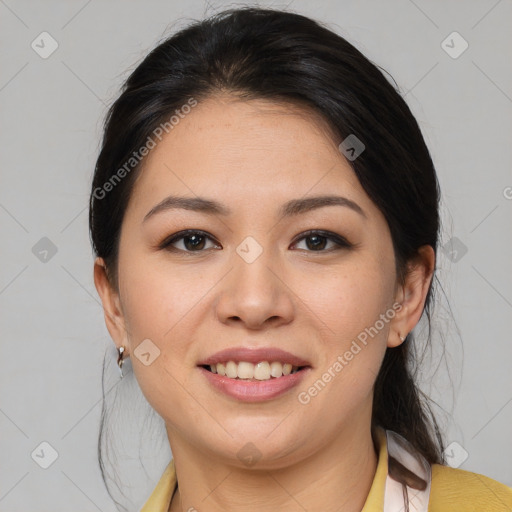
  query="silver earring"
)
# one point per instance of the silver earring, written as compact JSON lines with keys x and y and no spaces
{"x":120,"y":351}
{"x":402,"y":338}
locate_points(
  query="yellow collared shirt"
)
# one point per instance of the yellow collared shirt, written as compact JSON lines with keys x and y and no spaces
{"x":452,"y":490}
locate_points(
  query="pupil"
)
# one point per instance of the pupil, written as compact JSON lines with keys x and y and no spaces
{"x":318,"y":242}
{"x":197,"y":241}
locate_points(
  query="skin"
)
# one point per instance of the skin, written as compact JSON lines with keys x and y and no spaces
{"x":252,"y":156}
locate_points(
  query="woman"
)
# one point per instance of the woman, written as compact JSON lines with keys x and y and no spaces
{"x":264,"y":213}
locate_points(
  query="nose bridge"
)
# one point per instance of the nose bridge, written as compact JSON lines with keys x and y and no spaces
{"x":254,"y":292}
{"x":252,"y":268}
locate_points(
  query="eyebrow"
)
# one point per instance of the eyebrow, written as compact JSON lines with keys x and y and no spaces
{"x":288,"y":209}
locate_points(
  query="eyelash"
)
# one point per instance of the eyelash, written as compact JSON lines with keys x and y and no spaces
{"x":341,"y":242}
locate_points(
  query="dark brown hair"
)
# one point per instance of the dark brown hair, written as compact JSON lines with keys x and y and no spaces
{"x":283,"y":56}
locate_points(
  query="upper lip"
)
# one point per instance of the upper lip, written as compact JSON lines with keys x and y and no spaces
{"x":254,"y":355}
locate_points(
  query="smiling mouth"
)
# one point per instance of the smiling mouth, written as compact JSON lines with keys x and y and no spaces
{"x":261,"y":371}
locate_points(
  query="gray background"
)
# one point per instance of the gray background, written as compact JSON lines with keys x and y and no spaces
{"x":52,"y":330}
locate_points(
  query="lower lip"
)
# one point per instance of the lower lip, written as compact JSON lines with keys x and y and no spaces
{"x":254,"y":391}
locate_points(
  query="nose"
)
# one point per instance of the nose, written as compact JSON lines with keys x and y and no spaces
{"x":256,"y":294}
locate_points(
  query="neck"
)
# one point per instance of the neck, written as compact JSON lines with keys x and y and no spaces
{"x":336,"y":478}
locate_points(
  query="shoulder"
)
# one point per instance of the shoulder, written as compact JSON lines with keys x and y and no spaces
{"x":457,"y":489}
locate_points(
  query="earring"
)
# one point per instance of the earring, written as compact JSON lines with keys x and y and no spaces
{"x":402,"y":338}
{"x":120,"y":351}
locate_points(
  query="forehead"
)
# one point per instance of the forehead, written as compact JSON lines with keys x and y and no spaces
{"x":245,"y":150}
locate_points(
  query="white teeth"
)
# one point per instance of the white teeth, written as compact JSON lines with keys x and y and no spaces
{"x":245,"y":370}
{"x":221,"y":369}
{"x":231,"y":370}
{"x":276,"y":369}
{"x":262,"y":371}
{"x":248,"y":371}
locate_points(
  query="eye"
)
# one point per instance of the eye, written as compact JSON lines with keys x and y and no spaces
{"x":191,"y":241}
{"x":196,"y":241}
{"x":317,"y":241}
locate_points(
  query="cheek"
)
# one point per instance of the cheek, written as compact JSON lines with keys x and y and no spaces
{"x":159,"y":305}
{"x":353,"y":311}
{"x":348,"y":299}
{"x":155,"y":307}
{"x":157,"y":296}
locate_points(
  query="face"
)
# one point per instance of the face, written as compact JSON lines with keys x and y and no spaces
{"x":313,"y":280}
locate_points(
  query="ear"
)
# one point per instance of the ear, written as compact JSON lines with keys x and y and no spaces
{"x":412,"y":294}
{"x":114,"y":318}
